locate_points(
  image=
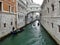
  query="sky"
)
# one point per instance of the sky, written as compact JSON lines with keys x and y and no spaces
{"x":38,"y":1}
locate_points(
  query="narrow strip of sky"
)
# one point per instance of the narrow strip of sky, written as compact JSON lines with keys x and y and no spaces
{"x":38,"y":1}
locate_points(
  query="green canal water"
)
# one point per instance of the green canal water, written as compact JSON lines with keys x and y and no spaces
{"x":30,"y":36}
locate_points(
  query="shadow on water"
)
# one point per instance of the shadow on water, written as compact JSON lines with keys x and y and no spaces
{"x":47,"y":39}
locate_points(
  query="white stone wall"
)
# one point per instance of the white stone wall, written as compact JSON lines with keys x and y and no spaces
{"x":21,"y":20}
{"x":21,"y":12}
{"x":6,"y":18}
{"x":33,"y":7}
{"x":52,"y":17}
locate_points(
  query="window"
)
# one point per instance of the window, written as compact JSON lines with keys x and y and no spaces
{"x":0,"y":6}
{"x":52,"y":25}
{"x":48,"y":10}
{"x":59,"y":1}
{"x":59,"y":28}
{"x":59,"y":6}
{"x":11,"y":23}
{"x":52,"y":7}
{"x":4,"y":24}
{"x":9,"y":8}
{"x":40,"y":14}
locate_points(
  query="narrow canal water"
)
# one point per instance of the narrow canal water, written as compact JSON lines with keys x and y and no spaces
{"x":32,"y":35}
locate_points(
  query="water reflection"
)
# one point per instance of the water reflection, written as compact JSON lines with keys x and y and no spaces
{"x":36,"y":30}
{"x":33,"y":34}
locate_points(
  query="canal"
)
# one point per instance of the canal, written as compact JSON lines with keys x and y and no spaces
{"x":32,"y":35}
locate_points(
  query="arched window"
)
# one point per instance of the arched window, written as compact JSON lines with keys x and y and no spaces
{"x":52,"y":5}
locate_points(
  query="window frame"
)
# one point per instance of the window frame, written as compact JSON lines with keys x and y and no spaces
{"x":1,"y":6}
{"x":52,"y":5}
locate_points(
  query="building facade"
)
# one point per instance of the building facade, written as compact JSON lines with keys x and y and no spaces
{"x":7,"y":16}
{"x":8,"y":6}
{"x":21,"y":12}
{"x":33,"y":9}
{"x":13,"y":14}
{"x":50,"y":18}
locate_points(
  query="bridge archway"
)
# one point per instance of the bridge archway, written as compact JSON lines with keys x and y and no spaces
{"x":27,"y":15}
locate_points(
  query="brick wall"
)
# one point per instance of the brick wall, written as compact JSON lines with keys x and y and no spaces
{"x":7,"y":3}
